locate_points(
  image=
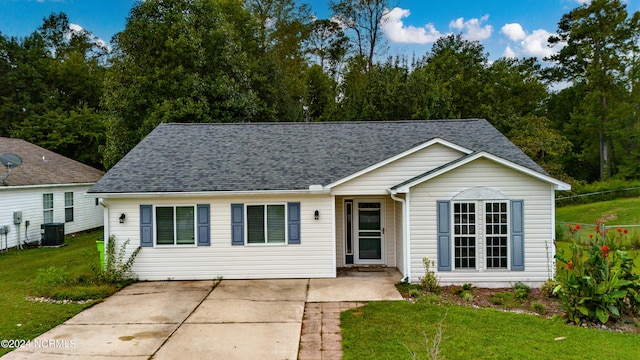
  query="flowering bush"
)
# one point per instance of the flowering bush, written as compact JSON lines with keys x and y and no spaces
{"x":596,"y":281}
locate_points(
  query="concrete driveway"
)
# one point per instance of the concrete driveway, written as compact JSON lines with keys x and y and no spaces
{"x":233,"y":319}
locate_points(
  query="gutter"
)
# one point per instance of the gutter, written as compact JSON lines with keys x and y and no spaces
{"x":311,"y":191}
{"x":405,"y":229}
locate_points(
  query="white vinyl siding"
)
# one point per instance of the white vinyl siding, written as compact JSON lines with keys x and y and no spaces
{"x":538,"y":223}
{"x":312,"y":258}
{"x":379,"y":180}
{"x":87,"y":214}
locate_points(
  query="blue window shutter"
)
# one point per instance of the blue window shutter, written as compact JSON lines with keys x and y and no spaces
{"x":517,"y":235}
{"x":203,"y":225}
{"x":294,"y":222}
{"x":146,"y":225}
{"x":237,"y":224}
{"x":444,"y":235}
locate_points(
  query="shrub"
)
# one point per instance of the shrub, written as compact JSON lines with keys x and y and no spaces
{"x":521,"y":290}
{"x":466,"y":292}
{"x":548,"y":287}
{"x":117,"y":270}
{"x":415,"y":293}
{"x":597,"y":280}
{"x":505,"y":299}
{"x":538,"y":308}
{"x":429,"y":281}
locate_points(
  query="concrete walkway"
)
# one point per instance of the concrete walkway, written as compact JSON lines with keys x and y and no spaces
{"x":235,"y":319}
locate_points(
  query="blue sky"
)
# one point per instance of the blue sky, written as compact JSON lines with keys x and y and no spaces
{"x":505,"y":27}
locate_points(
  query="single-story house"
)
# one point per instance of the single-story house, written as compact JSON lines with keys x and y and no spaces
{"x":45,"y":188}
{"x":299,"y":200}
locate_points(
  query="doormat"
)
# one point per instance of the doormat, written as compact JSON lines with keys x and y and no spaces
{"x":370,"y":269}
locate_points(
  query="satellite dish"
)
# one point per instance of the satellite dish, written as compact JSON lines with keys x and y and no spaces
{"x":10,"y":160}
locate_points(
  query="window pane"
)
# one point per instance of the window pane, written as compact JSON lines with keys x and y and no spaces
{"x":275,"y":223}
{"x":68,"y":199}
{"x":68,"y":214}
{"x":255,"y":224}
{"x":497,"y":231}
{"x":185,"y":225}
{"x":47,"y":201}
{"x":48,"y":216}
{"x":164,"y":222}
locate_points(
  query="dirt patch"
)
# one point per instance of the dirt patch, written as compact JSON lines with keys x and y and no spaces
{"x":505,"y":299}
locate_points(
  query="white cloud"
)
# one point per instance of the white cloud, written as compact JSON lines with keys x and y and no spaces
{"x":537,"y":44}
{"x":473,"y":29}
{"x":509,"y":53}
{"x":396,"y":31}
{"x":513,"y":31}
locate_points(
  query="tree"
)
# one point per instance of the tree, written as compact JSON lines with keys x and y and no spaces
{"x":599,"y":37}
{"x":278,"y":63}
{"x":178,"y":61}
{"x":48,"y":79}
{"x":364,"y":19}
{"x":328,"y":43}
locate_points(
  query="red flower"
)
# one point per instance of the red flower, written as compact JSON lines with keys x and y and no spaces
{"x":590,"y":236}
{"x":625,"y":231}
{"x":619,"y":230}
{"x":570,"y":265}
{"x":577,"y":226}
{"x":604,"y":248}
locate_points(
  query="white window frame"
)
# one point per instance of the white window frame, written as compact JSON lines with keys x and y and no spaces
{"x":68,"y":207}
{"x":46,"y":210}
{"x":175,"y":226}
{"x":266,"y":239}
{"x":480,"y":235}
{"x":507,"y":235}
{"x":475,"y":235}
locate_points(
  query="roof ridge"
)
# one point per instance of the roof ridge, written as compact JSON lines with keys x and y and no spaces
{"x":275,"y":123}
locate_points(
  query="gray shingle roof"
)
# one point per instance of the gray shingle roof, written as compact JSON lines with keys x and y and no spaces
{"x":43,"y":167}
{"x":283,"y":156}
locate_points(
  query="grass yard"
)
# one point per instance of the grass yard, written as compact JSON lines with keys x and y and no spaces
{"x":24,"y":319}
{"x":613,"y":212}
{"x":397,"y":330}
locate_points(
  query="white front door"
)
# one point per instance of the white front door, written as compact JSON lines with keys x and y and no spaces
{"x":369,"y":232}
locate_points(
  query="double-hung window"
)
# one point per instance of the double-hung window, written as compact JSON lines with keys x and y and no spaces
{"x":464,"y":235}
{"x":175,"y":225}
{"x":68,"y":206}
{"x":47,"y":208}
{"x":266,"y":224}
{"x":496,"y":234}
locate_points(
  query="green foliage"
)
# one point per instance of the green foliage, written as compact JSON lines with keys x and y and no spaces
{"x":548,"y":287}
{"x":118,"y":265}
{"x":506,"y":299}
{"x":582,"y":193}
{"x":597,"y":281}
{"x":429,"y":281}
{"x":521,"y":291}
{"x":538,"y":308}
{"x":465,"y":292}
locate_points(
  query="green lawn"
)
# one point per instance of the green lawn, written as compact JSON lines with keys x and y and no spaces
{"x":613,"y":212}
{"x":24,"y":319}
{"x":397,"y":330}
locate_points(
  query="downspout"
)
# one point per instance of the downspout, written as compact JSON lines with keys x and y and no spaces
{"x":105,"y":236}
{"x":406,"y":268}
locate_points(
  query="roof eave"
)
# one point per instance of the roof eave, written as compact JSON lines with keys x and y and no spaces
{"x":192,"y":194}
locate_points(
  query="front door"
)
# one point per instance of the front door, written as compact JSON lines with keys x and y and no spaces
{"x":369,"y":232}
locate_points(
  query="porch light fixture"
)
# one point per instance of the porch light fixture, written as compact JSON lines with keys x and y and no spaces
{"x":316,"y":215}
{"x":122,"y":217}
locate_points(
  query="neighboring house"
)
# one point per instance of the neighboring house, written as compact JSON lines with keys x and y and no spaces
{"x":299,"y":200}
{"x":45,"y":188}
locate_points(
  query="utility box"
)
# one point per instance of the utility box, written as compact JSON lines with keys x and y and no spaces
{"x":53,"y":234}
{"x":4,"y":229}
{"x":17,"y":217}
